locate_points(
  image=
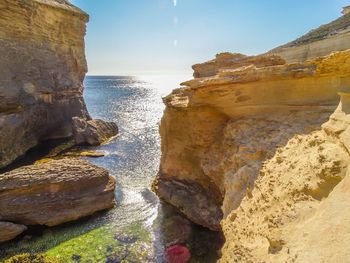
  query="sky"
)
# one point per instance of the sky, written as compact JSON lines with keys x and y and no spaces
{"x":165,"y":37}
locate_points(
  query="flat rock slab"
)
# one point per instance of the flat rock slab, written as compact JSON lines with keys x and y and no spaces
{"x":55,"y":192}
{"x":9,"y":231}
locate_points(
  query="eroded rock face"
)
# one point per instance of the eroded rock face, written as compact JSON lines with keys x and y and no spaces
{"x":295,"y":213}
{"x":55,"y":192}
{"x":201,"y":208}
{"x":9,"y":231}
{"x":244,"y":138}
{"x":233,"y":61}
{"x":42,"y":68}
{"x":93,"y":132}
{"x":218,"y":131}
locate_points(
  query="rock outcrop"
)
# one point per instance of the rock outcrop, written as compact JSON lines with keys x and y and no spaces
{"x":93,"y":132}
{"x":9,"y":231}
{"x":319,"y":42}
{"x":55,"y":192}
{"x":42,"y":69}
{"x":216,"y":132}
{"x":257,"y":147}
{"x":234,"y":61}
{"x":297,"y":209}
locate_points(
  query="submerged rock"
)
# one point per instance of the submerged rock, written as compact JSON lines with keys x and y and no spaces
{"x":55,"y":192}
{"x":93,"y":132}
{"x":9,"y":231}
{"x":177,"y":254}
{"x":32,"y":258}
{"x":125,"y":238}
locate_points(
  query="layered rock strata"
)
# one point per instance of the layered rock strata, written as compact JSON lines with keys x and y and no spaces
{"x":334,"y":36}
{"x":42,"y":69}
{"x":55,"y":192}
{"x":217,"y":131}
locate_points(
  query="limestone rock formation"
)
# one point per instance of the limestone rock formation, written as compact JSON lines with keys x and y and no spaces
{"x":93,"y":132}
{"x":319,"y":42}
{"x":243,"y":149}
{"x":233,"y":61}
{"x":297,"y":209}
{"x":216,"y":132}
{"x":42,"y":68}
{"x":55,"y":192}
{"x":9,"y":231}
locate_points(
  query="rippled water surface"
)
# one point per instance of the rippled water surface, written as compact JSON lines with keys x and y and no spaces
{"x":140,"y":227}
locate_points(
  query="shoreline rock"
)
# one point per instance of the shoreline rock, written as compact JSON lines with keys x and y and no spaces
{"x":55,"y":192}
{"x":216,"y":132}
{"x":9,"y":231}
{"x":246,"y":131}
{"x":42,"y":70}
{"x":93,"y":132}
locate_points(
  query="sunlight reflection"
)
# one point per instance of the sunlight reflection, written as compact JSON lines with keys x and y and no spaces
{"x":165,"y":83}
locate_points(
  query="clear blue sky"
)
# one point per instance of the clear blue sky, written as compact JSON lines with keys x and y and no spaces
{"x":138,"y":37}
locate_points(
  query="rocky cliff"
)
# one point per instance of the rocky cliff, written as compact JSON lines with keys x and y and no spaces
{"x":297,"y":209}
{"x":243,"y":151}
{"x":217,"y":131}
{"x":42,"y":68}
{"x":318,"y":42}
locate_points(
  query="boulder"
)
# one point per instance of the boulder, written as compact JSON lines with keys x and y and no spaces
{"x":9,"y":231}
{"x":93,"y":132}
{"x":55,"y":192}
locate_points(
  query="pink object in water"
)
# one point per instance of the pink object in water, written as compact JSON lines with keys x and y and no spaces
{"x":177,"y":254}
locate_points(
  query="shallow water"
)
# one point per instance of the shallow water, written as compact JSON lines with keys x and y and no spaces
{"x":140,"y":227}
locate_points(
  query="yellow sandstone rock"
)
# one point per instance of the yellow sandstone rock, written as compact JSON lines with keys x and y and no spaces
{"x":243,"y":151}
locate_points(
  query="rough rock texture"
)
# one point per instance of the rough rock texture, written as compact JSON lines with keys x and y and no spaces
{"x":9,"y":231}
{"x":93,"y":132}
{"x":297,"y":210}
{"x":55,"y":192}
{"x":233,"y":61}
{"x":42,"y":68}
{"x":243,"y":149}
{"x":216,"y":132}
{"x":319,"y":42}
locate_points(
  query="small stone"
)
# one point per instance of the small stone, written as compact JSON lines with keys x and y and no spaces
{"x":177,"y":254}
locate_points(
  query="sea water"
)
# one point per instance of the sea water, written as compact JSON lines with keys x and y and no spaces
{"x":140,"y":227}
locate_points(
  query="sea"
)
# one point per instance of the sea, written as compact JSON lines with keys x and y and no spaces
{"x":140,"y":227}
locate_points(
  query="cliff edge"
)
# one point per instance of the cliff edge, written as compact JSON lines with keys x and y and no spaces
{"x":257,"y":146}
{"x":42,"y":69}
